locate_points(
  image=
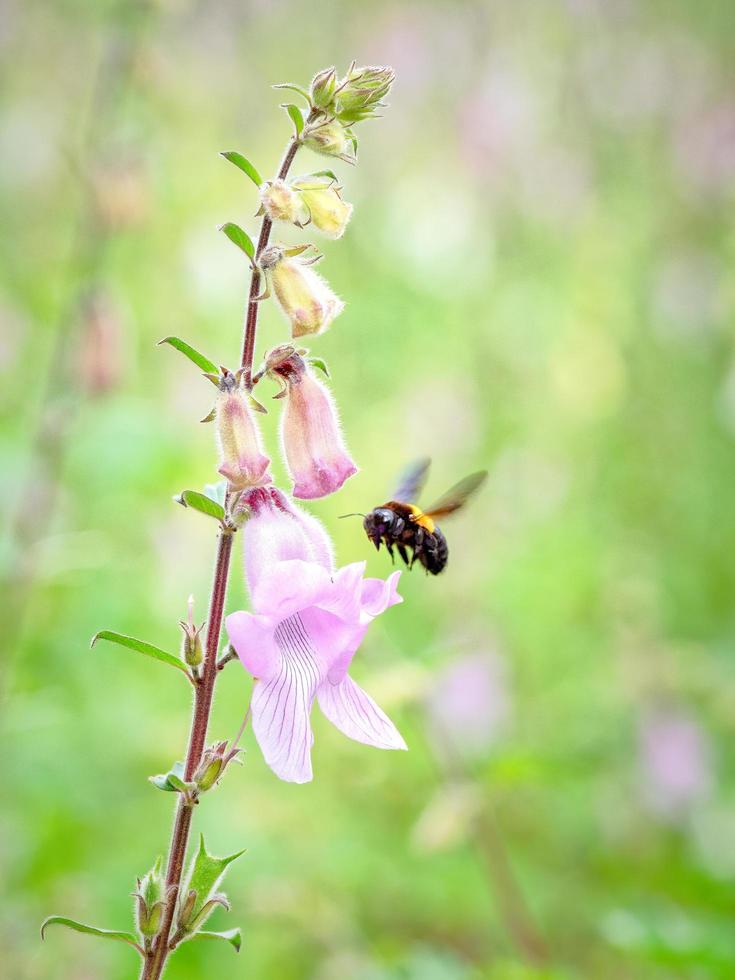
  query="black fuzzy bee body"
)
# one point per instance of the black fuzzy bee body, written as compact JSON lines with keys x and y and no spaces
{"x":401,"y":526}
{"x":413,"y":531}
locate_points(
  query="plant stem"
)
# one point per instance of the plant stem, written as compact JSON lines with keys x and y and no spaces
{"x":155,"y":960}
{"x":251,"y":314}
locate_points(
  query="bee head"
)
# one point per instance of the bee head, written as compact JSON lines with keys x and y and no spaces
{"x":378,"y":523}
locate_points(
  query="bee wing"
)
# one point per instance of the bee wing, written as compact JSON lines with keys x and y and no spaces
{"x":412,"y":481}
{"x":458,"y":495}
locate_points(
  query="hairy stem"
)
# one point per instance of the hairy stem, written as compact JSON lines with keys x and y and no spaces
{"x":155,"y":959}
{"x":251,"y":314}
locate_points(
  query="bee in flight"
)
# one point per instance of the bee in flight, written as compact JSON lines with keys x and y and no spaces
{"x":400,"y":523}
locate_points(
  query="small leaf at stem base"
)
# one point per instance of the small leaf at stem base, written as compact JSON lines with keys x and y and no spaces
{"x":243,"y":164}
{"x":231,"y":936}
{"x":147,"y":649}
{"x":297,"y":117}
{"x":171,"y":781}
{"x":188,"y":351}
{"x":61,"y":920}
{"x":240,"y":238}
{"x":201,"y":502}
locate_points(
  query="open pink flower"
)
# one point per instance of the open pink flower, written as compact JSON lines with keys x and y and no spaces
{"x":308,"y":622}
{"x":315,"y":451}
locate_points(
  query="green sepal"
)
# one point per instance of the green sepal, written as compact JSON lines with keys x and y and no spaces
{"x":321,"y":364}
{"x":205,"y":874}
{"x":194,"y":355}
{"x":240,"y":238}
{"x":231,"y":936}
{"x":242,"y":163}
{"x":147,"y":649}
{"x":201,"y":502}
{"x":296,"y":115}
{"x":61,"y":920}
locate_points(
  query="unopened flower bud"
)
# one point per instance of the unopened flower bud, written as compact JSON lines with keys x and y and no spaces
{"x":315,"y":452}
{"x":305,"y":298}
{"x":329,"y":138}
{"x":321,"y":197}
{"x":214,"y":761}
{"x":242,"y":461}
{"x":191,"y":645}
{"x":150,"y":900}
{"x":323,"y":87}
{"x":361,"y":91}
{"x":280,"y":202}
{"x":187,"y":910}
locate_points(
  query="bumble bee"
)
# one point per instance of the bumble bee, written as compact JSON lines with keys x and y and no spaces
{"x":404,"y":525}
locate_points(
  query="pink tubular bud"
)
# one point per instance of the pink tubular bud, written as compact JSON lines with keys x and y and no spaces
{"x":242,"y":461}
{"x":312,"y":442}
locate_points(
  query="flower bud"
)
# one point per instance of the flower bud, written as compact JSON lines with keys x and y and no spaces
{"x":323,"y":87}
{"x":321,"y":197}
{"x":213,"y":763}
{"x":329,"y":138}
{"x":360,"y":92}
{"x":315,"y":452}
{"x":280,"y":202}
{"x":191,"y":645}
{"x":150,"y":900}
{"x":186,"y":910}
{"x":304,"y":297}
{"x":242,"y":461}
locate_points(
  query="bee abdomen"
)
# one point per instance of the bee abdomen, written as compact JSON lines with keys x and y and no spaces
{"x":435,"y":553}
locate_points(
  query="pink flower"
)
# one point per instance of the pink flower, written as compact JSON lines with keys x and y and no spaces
{"x":315,"y":452}
{"x":299,"y":642}
{"x":675,"y":762}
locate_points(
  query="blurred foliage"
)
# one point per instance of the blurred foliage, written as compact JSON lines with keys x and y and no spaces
{"x":536,"y":279}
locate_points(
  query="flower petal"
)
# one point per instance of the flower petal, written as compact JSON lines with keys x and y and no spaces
{"x":252,"y":638}
{"x":379,"y":595}
{"x":356,"y":715}
{"x":286,"y":587}
{"x":281,"y":706}
{"x":343,"y":599}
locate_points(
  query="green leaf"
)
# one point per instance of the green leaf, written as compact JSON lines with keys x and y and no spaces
{"x":231,"y":936}
{"x":205,"y":874}
{"x":243,"y":164}
{"x":61,"y":920}
{"x":201,"y":502}
{"x":296,"y":115}
{"x":296,"y":88}
{"x":147,"y":649}
{"x":239,"y":237}
{"x":321,"y":364}
{"x":199,"y":359}
{"x":171,"y":781}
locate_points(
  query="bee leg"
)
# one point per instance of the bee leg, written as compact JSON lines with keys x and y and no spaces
{"x":389,"y":549}
{"x":404,"y":555}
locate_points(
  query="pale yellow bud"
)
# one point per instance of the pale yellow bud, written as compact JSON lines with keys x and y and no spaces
{"x":279,"y":201}
{"x":328,"y":212}
{"x":305,"y":298}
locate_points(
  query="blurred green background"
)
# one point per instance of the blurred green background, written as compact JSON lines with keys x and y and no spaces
{"x":538,"y":280}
